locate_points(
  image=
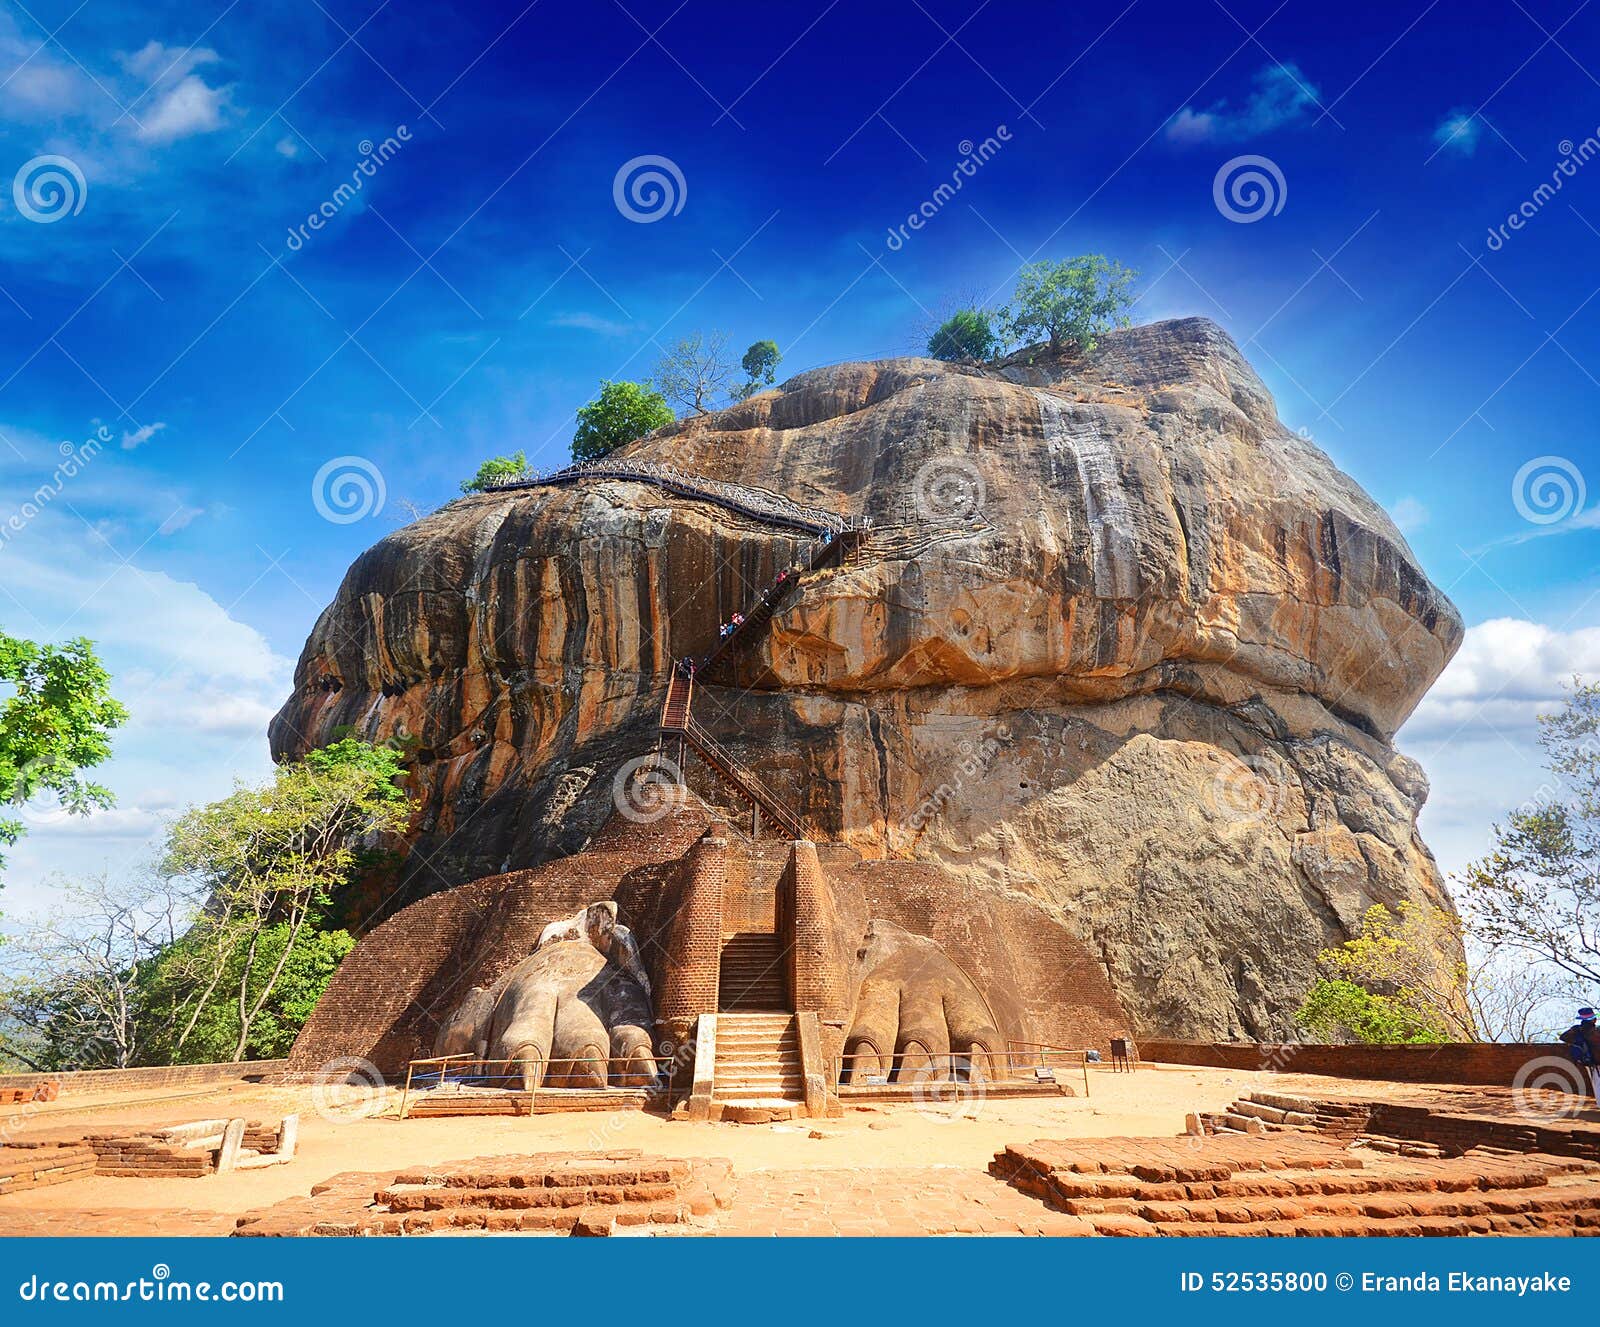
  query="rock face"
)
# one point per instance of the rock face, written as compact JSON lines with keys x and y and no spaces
{"x":1119,"y":642}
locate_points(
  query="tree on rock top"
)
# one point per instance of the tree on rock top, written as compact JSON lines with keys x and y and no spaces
{"x":622,"y":412}
{"x":695,"y":370}
{"x":1071,"y":302}
{"x":496,"y":470}
{"x":760,"y":365}
{"x":965,"y":334}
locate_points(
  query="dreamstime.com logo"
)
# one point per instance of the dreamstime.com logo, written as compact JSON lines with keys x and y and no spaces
{"x":647,"y":788}
{"x":648,"y":188}
{"x":942,"y":1099}
{"x":1547,"y":490}
{"x":348,"y":1088}
{"x":348,"y":489}
{"x":949,"y":490}
{"x":1246,"y":789}
{"x":1248,"y":188}
{"x":1550,"y":1088}
{"x":157,"y":1288}
{"x":48,"y":189}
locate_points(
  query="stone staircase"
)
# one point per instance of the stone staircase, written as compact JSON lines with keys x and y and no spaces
{"x":1295,"y":1184}
{"x":751,"y":977}
{"x":758,"y":1063}
{"x":577,"y":1193}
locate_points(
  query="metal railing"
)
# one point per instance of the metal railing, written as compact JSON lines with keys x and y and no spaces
{"x":1020,"y":1063}
{"x":433,"y":1072}
{"x":760,"y":503}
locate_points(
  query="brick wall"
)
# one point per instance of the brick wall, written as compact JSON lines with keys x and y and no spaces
{"x":1481,"y":1063}
{"x":156,"y":1076}
{"x":817,"y":939}
{"x":691,"y":957}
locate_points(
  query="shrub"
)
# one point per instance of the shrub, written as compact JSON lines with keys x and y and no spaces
{"x":621,"y":412}
{"x":966,"y":334}
{"x":496,"y":470}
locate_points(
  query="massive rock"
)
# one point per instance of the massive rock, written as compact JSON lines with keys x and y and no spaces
{"x":1120,"y":643}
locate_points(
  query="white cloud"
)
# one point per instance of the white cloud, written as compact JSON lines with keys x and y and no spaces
{"x":589,"y":322}
{"x":1459,"y":131}
{"x":1409,"y":515}
{"x":140,"y":436}
{"x":191,"y":107}
{"x":1506,"y":672}
{"x":155,"y":62}
{"x":287,"y":147}
{"x":199,"y":685}
{"x":1282,"y":96}
{"x":181,"y":519}
{"x":1477,"y":734}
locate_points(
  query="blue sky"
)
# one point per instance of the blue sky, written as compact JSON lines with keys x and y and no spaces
{"x":483,"y":279}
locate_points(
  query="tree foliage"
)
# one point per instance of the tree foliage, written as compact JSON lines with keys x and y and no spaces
{"x":56,"y":723}
{"x":1071,"y":302}
{"x":621,"y":412}
{"x":272,"y":857}
{"x":1537,"y":892}
{"x":1410,"y":967}
{"x":760,"y":365}
{"x":1341,"y":1011}
{"x":695,"y":370}
{"x":496,"y":470}
{"x":965,"y":334}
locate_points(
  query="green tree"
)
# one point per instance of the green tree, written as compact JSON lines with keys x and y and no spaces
{"x":760,"y":365}
{"x":694,"y":371}
{"x":966,"y":334}
{"x":1342,"y":1011}
{"x":56,"y":722}
{"x":166,"y":998}
{"x":1537,"y":892}
{"x":496,"y":470}
{"x":1071,"y":302}
{"x":621,"y":412}
{"x":1411,"y":964}
{"x":271,"y":857}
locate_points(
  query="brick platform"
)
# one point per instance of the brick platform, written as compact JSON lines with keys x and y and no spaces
{"x":1242,"y":1184}
{"x":575,"y":1193}
{"x":37,"y":1165}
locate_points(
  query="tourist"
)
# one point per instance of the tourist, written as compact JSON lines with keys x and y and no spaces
{"x":1583,"y":1045}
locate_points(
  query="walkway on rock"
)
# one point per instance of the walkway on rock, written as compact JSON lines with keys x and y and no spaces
{"x":759,"y":504}
{"x":832,"y":537}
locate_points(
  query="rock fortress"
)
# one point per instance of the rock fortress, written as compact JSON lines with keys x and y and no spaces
{"x":915,"y":742}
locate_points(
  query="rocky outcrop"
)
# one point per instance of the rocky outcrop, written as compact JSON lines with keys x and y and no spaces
{"x":1119,"y":643}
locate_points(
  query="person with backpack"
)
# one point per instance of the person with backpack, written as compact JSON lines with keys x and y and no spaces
{"x":1583,"y":1046}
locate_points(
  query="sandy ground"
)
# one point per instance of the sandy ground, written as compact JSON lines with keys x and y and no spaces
{"x":1150,"y":1102}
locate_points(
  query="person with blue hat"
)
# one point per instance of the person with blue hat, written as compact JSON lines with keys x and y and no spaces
{"x":1583,"y":1045}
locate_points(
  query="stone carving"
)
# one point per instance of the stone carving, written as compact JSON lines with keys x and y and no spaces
{"x":575,"y":1013}
{"x":914,"y":1007}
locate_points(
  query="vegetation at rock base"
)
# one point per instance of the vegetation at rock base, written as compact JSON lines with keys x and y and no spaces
{"x":1072,"y":302}
{"x":760,"y":365}
{"x":1401,"y":979}
{"x":56,"y":723}
{"x":496,"y":470}
{"x":622,"y":412}
{"x":966,"y":334}
{"x":223,"y":949}
{"x":695,"y":371}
